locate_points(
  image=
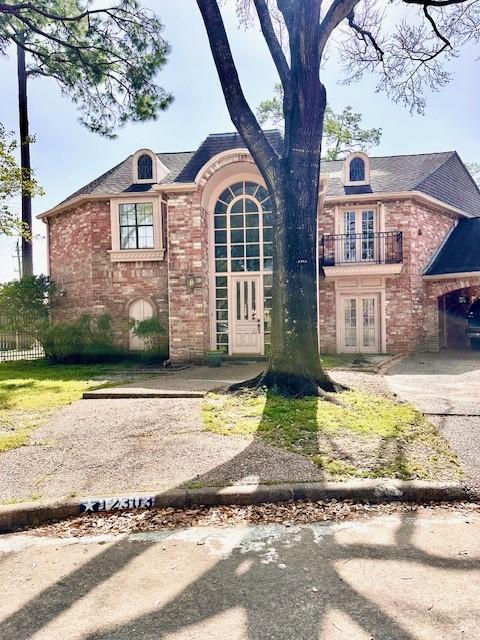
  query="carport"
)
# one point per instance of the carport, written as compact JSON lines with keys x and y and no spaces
{"x":453,"y":282}
{"x":452,"y":312}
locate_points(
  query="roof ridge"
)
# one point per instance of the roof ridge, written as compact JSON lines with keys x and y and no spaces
{"x":472,"y":179}
{"x":171,"y":153}
{"x":431,"y":173}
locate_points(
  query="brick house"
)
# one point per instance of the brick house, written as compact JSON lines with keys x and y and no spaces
{"x":188,"y":236}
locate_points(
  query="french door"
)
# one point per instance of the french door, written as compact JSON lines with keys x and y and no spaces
{"x":246,"y":304}
{"x":360,"y":323}
{"x":359,"y":236}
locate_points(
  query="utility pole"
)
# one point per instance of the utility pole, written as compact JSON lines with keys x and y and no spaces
{"x":19,"y":260}
{"x":27,"y":257}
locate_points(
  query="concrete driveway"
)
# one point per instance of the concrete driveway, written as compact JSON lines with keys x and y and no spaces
{"x":446,"y":387}
{"x":439,"y":383}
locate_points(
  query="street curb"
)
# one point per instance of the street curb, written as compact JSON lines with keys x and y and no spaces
{"x":106,"y":394}
{"x":30,"y":514}
{"x":383,"y":367}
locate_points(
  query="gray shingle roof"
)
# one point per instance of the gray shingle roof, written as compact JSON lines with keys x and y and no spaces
{"x":461,"y":251}
{"x":217,"y":143}
{"x":440,"y":175}
{"x":119,"y":179}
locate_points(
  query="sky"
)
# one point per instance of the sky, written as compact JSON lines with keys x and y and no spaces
{"x":66,"y":156}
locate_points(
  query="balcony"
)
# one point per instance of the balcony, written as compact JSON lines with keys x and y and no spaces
{"x":378,"y":252}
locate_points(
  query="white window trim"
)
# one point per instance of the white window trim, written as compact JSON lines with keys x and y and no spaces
{"x":159,"y":170}
{"x":378,"y":216}
{"x":135,"y":255}
{"x":346,"y":170}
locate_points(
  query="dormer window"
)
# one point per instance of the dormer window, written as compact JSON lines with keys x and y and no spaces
{"x":356,"y":170}
{"x":145,"y":167}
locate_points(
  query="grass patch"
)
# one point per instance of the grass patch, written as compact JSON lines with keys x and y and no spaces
{"x":29,"y":390}
{"x":372,"y":437}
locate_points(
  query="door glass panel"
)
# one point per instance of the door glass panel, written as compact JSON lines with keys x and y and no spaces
{"x":349,"y":249}
{"x":350,"y":322}
{"x":367,"y":236}
{"x":254,"y":301}
{"x":245,"y":301}
{"x":239,"y":304}
{"x":221,"y":311}
{"x":368,"y":322}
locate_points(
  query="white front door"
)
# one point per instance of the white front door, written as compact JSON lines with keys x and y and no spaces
{"x":360,"y":324}
{"x":247,"y":315}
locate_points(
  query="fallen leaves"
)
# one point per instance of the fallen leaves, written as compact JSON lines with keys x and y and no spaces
{"x":286,"y":514}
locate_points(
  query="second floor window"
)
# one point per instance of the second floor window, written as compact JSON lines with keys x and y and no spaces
{"x":136,"y":226}
{"x":145,"y":167}
{"x":357,"y":170}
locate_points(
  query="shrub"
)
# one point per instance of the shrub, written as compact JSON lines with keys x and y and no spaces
{"x":150,"y":331}
{"x":84,"y":340}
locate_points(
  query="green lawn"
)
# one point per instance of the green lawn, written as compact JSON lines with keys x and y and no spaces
{"x":29,"y":390}
{"x":372,"y":437}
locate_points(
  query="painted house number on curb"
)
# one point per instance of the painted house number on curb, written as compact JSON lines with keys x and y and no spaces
{"x":112,"y":504}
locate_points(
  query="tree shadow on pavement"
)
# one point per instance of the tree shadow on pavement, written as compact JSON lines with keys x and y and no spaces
{"x":272,"y":585}
{"x":278,"y":602}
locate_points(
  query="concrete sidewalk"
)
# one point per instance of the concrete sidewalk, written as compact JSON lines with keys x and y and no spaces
{"x":189,"y":380}
{"x":396,"y":577}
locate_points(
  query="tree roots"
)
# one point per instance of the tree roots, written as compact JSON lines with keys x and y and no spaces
{"x":292,"y":386}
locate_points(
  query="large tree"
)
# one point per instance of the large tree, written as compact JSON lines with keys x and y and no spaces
{"x":342,"y":132}
{"x":104,"y":59}
{"x":407,"y":56}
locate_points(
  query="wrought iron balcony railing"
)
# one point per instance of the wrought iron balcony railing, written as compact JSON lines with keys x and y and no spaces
{"x":381,"y":247}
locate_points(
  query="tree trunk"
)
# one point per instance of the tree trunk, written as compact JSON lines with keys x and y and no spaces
{"x":294,"y":366}
{"x":293,"y":179}
{"x":295,"y":359}
{"x":27,"y":257}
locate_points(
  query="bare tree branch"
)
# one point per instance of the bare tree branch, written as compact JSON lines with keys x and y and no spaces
{"x":436,"y":30}
{"x":365,"y":35}
{"x":242,"y":116}
{"x":338,"y":11}
{"x":272,"y":41}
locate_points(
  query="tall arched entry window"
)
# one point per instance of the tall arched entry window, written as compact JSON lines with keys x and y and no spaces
{"x":243,"y":257}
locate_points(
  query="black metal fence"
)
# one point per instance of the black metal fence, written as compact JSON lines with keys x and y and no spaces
{"x":18,"y":338}
{"x":381,"y":247}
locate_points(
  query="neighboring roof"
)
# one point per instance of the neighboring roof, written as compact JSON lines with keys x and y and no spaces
{"x":440,"y":175}
{"x":460,"y":252}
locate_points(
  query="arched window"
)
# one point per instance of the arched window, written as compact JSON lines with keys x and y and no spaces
{"x":357,"y":170}
{"x":243,"y":229}
{"x":145,"y":167}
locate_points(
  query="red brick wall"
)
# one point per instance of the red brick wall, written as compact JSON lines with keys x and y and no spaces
{"x":188,"y":254}
{"x":411,"y":321}
{"x":80,"y":265}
